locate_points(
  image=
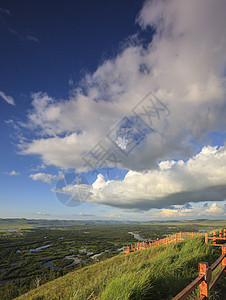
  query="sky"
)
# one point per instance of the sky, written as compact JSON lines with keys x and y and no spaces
{"x":113,"y":110}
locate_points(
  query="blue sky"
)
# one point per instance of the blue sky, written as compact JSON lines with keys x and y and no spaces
{"x":112,"y":110}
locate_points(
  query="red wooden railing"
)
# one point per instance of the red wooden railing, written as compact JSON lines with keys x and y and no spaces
{"x":177,"y":237}
{"x":216,"y":235}
{"x":204,"y":280}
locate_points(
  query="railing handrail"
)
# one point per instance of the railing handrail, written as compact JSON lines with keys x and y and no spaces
{"x":205,"y":272}
{"x":204,"y":279}
{"x":214,"y":237}
{"x":189,"y":289}
{"x":176,"y":237}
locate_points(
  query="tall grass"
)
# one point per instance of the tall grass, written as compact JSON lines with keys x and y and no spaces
{"x":154,"y":273}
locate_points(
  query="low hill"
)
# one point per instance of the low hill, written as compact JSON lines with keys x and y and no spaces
{"x":154,"y":273}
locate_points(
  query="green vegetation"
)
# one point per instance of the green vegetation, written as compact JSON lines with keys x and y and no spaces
{"x":155,"y":273}
{"x":11,"y":224}
{"x":48,"y":253}
{"x":61,"y":263}
{"x":34,"y":256}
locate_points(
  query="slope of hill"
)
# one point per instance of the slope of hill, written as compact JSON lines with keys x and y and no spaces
{"x":154,"y":273}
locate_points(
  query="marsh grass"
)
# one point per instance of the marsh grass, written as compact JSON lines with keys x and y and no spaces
{"x":154,"y":273}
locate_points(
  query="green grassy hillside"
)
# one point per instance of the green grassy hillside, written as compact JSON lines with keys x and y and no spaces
{"x":154,"y":273}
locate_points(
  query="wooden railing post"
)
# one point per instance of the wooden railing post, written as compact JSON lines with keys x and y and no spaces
{"x":220,"y":233}
{"x":203,"y":288}
{"x":225,"y":233}
{"x":214,"y":237}
{"x":224,"y":260}
{"x":176,"y":237}
{"x":206,"y":238}
{"x":204,"y":285}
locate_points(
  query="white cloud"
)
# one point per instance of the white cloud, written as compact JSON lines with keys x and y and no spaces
{"x":201,"y":178}
{"x":14,"y":173}
{"x":41,"y":213}
{"x":45,"y":177}
{"x":164,"y":165}
{"x":39,"y":167}
{"x":113,"y":216}
{"x":8,"y":99}
{"x":23,"y":37}
{"x":214,"y":210}
{"x":167,"y":213}
{"x":71,"y":82}
{"x":185,"y":65}
{"x":192,"y":212}
{"x":5,"y":11}
{"x":32,"y":38}
{"x":84,"y":215}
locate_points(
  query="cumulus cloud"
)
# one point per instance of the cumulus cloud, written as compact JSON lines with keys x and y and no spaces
{"x":193,"y":212}
{"x":157,"y":136}
{"x":201,"y":178}
{"x":214,"y":210}
{"x":45,"y":177}
{"x":184,"y":66}
{"x":167,"y":213}
{"x":38,"y":167}
{"x":8,"y":99}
